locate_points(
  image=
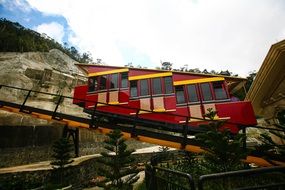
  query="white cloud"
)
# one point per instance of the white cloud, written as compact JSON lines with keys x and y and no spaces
{"x":16,"y":4}
{"x":53,"y":30}
{"x":219,"y":35}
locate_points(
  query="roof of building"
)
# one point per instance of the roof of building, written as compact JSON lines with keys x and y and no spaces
{"x":234,"y":83}
{"x":267,"y":85}
{"x":144,"y":69}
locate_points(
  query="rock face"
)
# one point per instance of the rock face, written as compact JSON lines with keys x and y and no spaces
{"x":53,"y":72}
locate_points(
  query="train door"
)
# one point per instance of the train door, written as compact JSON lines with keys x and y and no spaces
{"x":108,"y":89}
{"x":117,"y":88}
{"x":162,"y":96}
{"x":195,"y":98}
{"x":212,"y":93}
{"x":152,"y":94}
{"x":194,"y":104}
{"x":188,"y":101}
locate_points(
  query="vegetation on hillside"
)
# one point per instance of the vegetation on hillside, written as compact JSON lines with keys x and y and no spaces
{"x":119,"y":171}
{"x":16,"y":38}
{"x":61,"y":158}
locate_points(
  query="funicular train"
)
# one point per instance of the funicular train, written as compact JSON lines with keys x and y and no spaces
{"x":160,"y":95}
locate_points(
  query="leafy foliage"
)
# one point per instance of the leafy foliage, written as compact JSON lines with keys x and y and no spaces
{"x":240,"y":94}
{"x":166,"y":66}
{"x":16,"y":38}
{"x":223,"y":151}
{"x":62,"y":156}
{"x":119,"y":170}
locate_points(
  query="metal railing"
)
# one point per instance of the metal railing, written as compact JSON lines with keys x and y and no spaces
{"x":158,"y":178}
{"x":273,"y":178}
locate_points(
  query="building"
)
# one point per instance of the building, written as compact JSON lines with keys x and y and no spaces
{"x":267,"y":92}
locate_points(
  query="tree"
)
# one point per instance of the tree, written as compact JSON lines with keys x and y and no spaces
{"x":119,"y":169}
{"x":223,"y":151}
{"x":226,"y":73}
{"x":205,"y":71}
{"x":250,"y":78}
{"x":130,"y":64}
{"x":166,"y":66}
{"x":61,"y":156}
{"x":86,"y":58}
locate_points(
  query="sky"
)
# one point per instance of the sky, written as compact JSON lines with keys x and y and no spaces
{"x":232,"y":35}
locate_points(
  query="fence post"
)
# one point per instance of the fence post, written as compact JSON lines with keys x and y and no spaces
{"x":92,"y":123}
{"x":184,"y":133}
{"x":133,"y":133}
{"x":55,"y":110}
{"x":200,"y":183}
{"x":153,"y":182}
{"x":23,"y":105}
{"x":244,"y":141}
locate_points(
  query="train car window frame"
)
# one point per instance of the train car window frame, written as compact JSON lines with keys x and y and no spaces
{"x":94,"y":84}
{"x":144,"y":87}
{"x":168,"y":89}
{"x":134,"y":88}
{"x":156,"y":86}
{"x":124,"y":80}
{"x":114,"y":80}
{"x":178,"y":94}
{"x":190,"y":93}
{"x":222,"y":87}
{"x":208,"y":92}
{"x":100,"y":86}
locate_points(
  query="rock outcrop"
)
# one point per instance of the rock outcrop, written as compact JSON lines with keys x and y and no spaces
{"x":53,"y":72}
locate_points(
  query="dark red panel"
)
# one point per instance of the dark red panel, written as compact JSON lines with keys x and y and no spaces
{"x":124,"y":96}
{"x":239,"y":112}
{"x":137,"y":72}
{"x":170,"y":102}
{"x":90,"y":100}
{"x":134,"y":103}
{"x":94,"y":68}
{"x":79,"y":93}
{"x":163,"y":117}
{"x":180,"y":76}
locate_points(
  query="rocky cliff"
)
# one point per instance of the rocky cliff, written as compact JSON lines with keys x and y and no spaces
{"x":52,"y":72}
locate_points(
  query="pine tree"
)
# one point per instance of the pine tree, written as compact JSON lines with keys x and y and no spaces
{"x":119,"y":171}
{"x":223,"y":151}
{"x":62,"y":157}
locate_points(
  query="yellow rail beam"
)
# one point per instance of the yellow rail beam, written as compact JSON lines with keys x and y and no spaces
{"x":191,"y":148}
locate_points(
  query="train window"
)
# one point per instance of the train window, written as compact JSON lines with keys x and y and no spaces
{"x":103,"y":82}
{"x":156,"y":86}
{"x":206,"y":90}
{"x":92,"y":84}
{"x":114,"y":80}
{"x":219,"y":91}
{"x":124,"y":80}
{"x":134,"y":88}
{"x":168,"y":85}
{"x":192,"y":93}
{"x":180,"y":97}
{"x":144,"y":87}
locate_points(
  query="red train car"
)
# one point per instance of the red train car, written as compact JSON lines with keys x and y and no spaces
{"x":160,"y":95}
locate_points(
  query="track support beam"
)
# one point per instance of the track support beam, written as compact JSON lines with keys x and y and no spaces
{"x":74,"y":134}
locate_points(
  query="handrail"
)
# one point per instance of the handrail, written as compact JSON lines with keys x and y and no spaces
{"x":246,"y":172}
{"x":152,"y":182}
{"x":122,"y":106}
{"x":180,"y":137}
{"x":138,"y":109}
